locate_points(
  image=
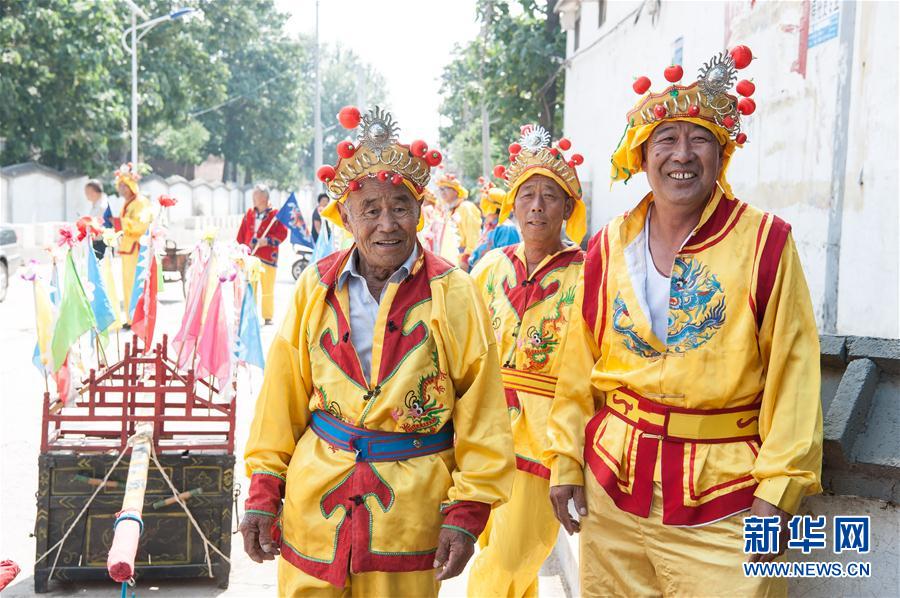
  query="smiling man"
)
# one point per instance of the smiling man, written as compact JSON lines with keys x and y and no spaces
{"x":529,"y":288}
{"x":381,"y":423}
{"x":690,"y":396}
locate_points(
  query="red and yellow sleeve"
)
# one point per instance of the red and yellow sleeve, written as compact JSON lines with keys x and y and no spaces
{"x":789,"y":464}
{"x":282,"y":409}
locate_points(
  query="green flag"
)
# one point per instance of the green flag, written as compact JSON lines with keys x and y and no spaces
{"x":75,"y":315}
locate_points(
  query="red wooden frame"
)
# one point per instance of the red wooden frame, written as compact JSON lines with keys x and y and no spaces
{"x":141,"y":387}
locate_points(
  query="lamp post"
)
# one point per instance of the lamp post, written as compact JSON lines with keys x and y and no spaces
{"x":138,"y":31}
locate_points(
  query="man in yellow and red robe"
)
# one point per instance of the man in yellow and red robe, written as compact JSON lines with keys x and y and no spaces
{"x":680,"y":412}
{"x":134,"y":220}
{"x":529,"y":289}
{"x":380,"y":440}
{"x":262,"y":233}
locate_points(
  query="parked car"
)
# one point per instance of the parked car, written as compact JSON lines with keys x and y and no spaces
{"x":10,"y":258}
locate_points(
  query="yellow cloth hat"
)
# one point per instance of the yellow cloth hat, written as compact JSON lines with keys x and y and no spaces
{"x":705,"y":102}
{"x":492,"y":200}
{"x":532,"y":155}
{"x":449,"y":180}
{"x":378,"y":154}
{"x":128,"y":174}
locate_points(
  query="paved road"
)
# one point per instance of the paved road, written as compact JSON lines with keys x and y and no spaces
{"x":20,"y":406}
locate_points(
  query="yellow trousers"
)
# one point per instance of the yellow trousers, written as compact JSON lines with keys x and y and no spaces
{"x":518,"y":538}
{"x":129,"y":265}
{"x":626,"y":555}
{"x":267,"y":297}
{"x":292,"y":583}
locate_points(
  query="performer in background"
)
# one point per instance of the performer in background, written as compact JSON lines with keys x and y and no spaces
{"x":135,"y":219}
{"x":263,"y":233}
{"x":690,"y":396}
{"x":461,"y":222}
{"x":494,"y":233}
{"x":380,"y":440}
{"x":529,"y":289}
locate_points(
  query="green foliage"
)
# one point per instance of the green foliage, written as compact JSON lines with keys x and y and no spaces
{"x":518,"y":56}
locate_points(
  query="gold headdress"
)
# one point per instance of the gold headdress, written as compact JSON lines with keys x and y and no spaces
{"x":705,"y":102}
{"x":535,"y":154}
{"x":377,"y":154}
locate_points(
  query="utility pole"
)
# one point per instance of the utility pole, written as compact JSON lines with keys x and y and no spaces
{"x":485,"y":117}
{"x":317,"y":120}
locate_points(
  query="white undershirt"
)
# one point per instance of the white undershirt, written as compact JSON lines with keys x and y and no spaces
{"x":657,"y":289}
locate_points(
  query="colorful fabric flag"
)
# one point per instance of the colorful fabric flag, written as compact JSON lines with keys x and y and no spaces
{"x":290,"y":216}
{"x":112,"y":291}
{"x":141,"y":272}
{"x":143,"y":322}
{"x":185,"y":340}
{"x":75,"y":315}
{"x":249,"y":344}
{"x":214,"y":347}
{"x":108,"y":217}
{"x":44,"y":316}
{"x":100,"y":301}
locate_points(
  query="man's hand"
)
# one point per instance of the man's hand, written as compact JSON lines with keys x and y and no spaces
{"x":761,"y":508}
{"x":257,"y":532}
{"x":559,"y":497}
{"x":453,"y":552}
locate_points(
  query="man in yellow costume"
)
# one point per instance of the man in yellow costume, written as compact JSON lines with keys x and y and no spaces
{"x":135,"y":218}
{"x":529,"y":288}
{"x":690,"y":396}
{"x":461,"y":223}
{"x":381,"y":420}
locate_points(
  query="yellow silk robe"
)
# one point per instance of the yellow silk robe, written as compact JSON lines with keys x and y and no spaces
{"x":741,"y":335}
{"x":529,"y":317}
{"x":137,"y":215}
{"x":433,"y":362}
{"x":461,"y":231}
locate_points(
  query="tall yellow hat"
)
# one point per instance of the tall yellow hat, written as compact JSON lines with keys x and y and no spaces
{"x":534,"y":154}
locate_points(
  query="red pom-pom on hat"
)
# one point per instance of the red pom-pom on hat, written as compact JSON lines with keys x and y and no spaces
{"x":745,"y":88}
{"x":418,"y":148}
{"x":514,"y":148}
{"x":345,"y":149}
{"x":641,"y":85}
{"x":746,"y":106}
{"x":577,"y":159}
{"x":674,"y":73}
{"x":383,"y":175}
{"x":349,"y":117}
{"x":325,"y":173}
{"x":499,"y":171}
{"x":396,"y":179}
{"x":564,"y":144}
{"x":742,"y":56}
{"x":433,"y":158}
{"x":354,"y":185}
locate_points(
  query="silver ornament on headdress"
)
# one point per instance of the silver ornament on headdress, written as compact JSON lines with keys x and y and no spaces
{"x":717,"y":76}
{"x":534,"y":137}
{"x":378,"y":130}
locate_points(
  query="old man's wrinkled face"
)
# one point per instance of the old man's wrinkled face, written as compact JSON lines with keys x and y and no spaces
{"x":682,"y":161}
{"x":382,"y":217}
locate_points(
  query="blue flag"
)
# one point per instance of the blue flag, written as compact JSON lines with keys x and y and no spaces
{"x":249,"y":345}
{"x":324,"y":247}
{"x":141,"y":272}
{"x":108,"y":217}
{"x":290,"y":216}
{"x":100,"y":303}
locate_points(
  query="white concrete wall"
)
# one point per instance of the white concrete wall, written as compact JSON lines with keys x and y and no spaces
{"x":38,"y":199}
{"x":787,"y":165}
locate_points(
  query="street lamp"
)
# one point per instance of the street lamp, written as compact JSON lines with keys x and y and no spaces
{"x":138,"y":31}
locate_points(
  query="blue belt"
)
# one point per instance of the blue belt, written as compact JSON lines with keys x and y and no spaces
{"x":373,"y":445}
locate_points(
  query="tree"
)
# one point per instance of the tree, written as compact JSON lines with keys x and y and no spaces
{"x":519,"y":58}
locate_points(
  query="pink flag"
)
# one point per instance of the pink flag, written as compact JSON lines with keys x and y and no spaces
{"x":185,"y":341}
{"x":214,"y":347}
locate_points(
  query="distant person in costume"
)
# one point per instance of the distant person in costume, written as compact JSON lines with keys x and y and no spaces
{"x":460,"y":222}
{"x":135,"y":219}
{"x":690,"y":397}
{"x":380,"y":440}
{"x":430,"y":214}
{"x":263,"y":233}
{"x":494,"y":233}
{"x":317,"y":222}
{"x":529,"y":289}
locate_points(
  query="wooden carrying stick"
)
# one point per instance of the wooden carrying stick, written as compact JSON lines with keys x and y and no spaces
{"x":172,"y":500}
{"x":96,"y":481}
{"x":128,"y":526}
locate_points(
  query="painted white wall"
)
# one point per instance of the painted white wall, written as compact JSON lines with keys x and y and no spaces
{"x":37,"y":196}
{"x":221,"y":198}
{"x":786,"y":167}
{"x":202,"y":199}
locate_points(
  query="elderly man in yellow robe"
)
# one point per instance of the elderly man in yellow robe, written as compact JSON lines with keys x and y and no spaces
{"x":460,"y":228}
{"x":529,"y":288}
{"x":690,"y":396}
{"x":135,"y":218}
{"x":380,"y":441}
